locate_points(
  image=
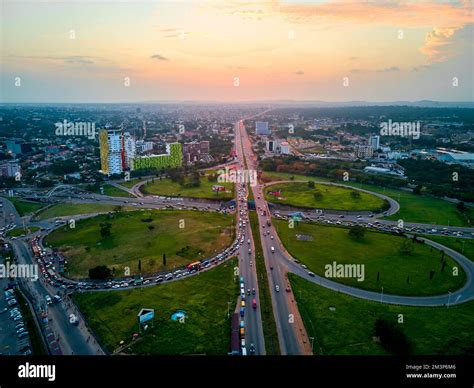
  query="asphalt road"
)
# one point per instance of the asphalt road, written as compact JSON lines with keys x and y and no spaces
{"x":72,"y":339}
{"x":291,"y":332}
{"x":247,"y":268}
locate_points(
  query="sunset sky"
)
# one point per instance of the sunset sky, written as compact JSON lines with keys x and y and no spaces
{"x":84,"y":51}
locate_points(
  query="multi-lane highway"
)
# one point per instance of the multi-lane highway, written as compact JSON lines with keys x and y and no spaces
{"x":254,"y":338}
{"x":291,"y":332}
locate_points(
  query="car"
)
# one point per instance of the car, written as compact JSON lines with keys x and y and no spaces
{"x":23,"y":334}
{"x":253,"y":291}
{"x":304,"y":266}
{"x":252,"y":349}
{"x":271,"y":237}
{"x":248,"y":291}
{"x":20,"y":330}
{"x":311,"y":274}
{"x":277,"y":288}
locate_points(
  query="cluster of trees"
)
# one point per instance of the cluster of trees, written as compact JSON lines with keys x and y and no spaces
{"x":441,"y":179}
{"x":332,"y":169}
{"x":392,"y":338}
{"x":184,"y":178}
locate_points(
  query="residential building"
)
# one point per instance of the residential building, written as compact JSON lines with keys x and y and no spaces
{"x":364,"y":151}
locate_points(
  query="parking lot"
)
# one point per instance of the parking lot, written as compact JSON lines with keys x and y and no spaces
{"x":13,"y":342}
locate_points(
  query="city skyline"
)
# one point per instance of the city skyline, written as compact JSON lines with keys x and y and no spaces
{"x":235,"y":51}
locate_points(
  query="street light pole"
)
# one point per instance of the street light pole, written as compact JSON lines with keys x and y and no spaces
{"x":381,"y":295}
{"x":228,"y":310}
{"x":312,"y":343}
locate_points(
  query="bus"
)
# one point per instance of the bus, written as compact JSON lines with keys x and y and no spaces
{"x":196,"y":265}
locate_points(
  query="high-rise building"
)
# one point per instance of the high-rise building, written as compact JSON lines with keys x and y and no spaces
{"x":129,"y":150}
{"x":261,"y":128}
{"x":374,"y":142}
{"x":111,"y":151}
{"x":10,"y":168}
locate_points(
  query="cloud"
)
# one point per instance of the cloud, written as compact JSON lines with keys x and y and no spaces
{"x":159,"y":57}
{"x":299,"y":72}
{"x":420,"y":68}
{"x":353,"y":58}
{"x":391,"y":69}
{"x":357,"y":71}
{"x":78,"y":60}
{"x":437,"y":44}
{"x":69,"y":59}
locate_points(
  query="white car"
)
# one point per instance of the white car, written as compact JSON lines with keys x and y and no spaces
{"x":277,"y":288}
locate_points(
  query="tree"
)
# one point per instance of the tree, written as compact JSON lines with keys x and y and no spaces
{"x":317,"y":195}
{"x":164,"y":259}
{"x":139,"y":265}
{"x":150,"y":227}
{"x":392,"y":338}
{"x":417,"y":190}
{"x":461,"y":206}
{"x":101,"y":272}
{"x":406,"y":248}
{"x":311,"y":184}
{"x":355,"y":194}
{"x":105,"y":229}
{"x":357,"y":232}
{"x":118,"y":209}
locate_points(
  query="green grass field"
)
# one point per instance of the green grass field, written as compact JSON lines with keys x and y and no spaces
{"x":413,"y":208}
{"x":204,"y":298}
{"x":71,"y":209}
{"x":167,"y":187}
{"x":349,"y":329}
{"x":462,"y":245}
{"x":115,"y":192}
{"x":379,"y":252}
{"x":332,"y":197}
{"x":19,"y":231}
{"x":144,"y":236}
{"x":24,"y":207}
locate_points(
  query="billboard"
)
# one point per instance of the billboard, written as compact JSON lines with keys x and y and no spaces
{"x":146,"y":315}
